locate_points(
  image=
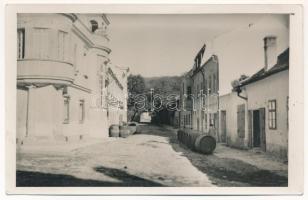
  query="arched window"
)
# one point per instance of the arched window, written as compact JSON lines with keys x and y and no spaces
{"x":94,"y":25}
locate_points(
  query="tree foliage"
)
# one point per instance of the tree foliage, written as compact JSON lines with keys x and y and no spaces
{"x":136,"y":84}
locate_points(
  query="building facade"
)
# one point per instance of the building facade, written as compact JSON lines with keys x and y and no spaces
{"x":255,"y":114}
{"x":199,"y":95}
{"x":62,"y":76}
{"x":117,"y":95}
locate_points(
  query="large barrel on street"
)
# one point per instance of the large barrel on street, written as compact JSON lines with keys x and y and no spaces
{"x":124,"y":131}
{"x":197,"y":141}
{"x":205,"y":144}
{"x":114,"y":131}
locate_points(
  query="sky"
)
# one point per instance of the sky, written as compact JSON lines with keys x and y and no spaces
{"x":165,"y":45}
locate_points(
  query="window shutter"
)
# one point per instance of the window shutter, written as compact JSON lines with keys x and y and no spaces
{"x":241,"y":120}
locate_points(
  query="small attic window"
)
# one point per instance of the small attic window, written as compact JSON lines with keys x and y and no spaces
{"x":94,"y":25}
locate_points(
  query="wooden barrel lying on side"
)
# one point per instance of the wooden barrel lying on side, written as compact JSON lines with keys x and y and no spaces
{"x":114,"y":131}
{"x":205,"y":144}
{"x":180,"y":135}
{"x":192,"y":140}
{"x":197,"y":141}
{"x":124,"y":131}
{"x":188,"y":137}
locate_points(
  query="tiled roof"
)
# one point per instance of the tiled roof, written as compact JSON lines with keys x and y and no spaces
{"x":281,"y":65}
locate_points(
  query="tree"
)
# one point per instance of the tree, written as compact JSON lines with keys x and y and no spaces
{"x":237,"y":82}
{"x":135,"y":85}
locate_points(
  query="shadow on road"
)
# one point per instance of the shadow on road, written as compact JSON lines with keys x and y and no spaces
{"x":225,"y":172}
{"x":39,"y":179}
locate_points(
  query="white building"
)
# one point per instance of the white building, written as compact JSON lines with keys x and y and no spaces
{"x":117,"y":95}
{"x":255,"y":115}
{"x":62,"y":75}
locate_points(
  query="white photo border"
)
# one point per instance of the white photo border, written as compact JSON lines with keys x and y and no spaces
{"x":296,"y":93}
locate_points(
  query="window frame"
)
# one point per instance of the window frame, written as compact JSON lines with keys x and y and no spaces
{"x":272,"y":114}
{"x":81,"y":111}
{"x":66,"y":117}
{"x":62,"y":48}
{"x":21,"y":44}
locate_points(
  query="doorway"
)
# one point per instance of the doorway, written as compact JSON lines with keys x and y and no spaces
{"x":223,"y":122}
{"x":198,"y":123}
{"x":258,"y":130}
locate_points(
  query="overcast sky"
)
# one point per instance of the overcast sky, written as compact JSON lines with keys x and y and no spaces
{"x":165,"y":45}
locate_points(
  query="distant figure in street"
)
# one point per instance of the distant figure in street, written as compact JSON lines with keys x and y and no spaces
{"x":212,"y":131}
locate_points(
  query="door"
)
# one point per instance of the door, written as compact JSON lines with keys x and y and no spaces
{"x":198,"y":124}
{"x":216,"y":126}
{"x":256,"y":129}
{"x":202,"y":120}
{"x":223,"y":122}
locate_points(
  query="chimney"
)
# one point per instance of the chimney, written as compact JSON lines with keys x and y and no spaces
{"x":270,"y":52}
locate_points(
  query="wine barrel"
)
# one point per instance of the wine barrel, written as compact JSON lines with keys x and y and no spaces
{"x":180,"y":135}
{"x":114,"y":131}
{"x":132,"y":127}
{"x":205,"y":144}
{"x":124,"y":131}
{"x":192,"y":139}
{"x":185,"y":138}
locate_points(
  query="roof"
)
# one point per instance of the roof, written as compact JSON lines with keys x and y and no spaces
{"x":281,"y":65}
{"x":212,"y":58}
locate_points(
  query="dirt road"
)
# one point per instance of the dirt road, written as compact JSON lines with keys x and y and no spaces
{"x":145,"y":159}
{"x":151,"y":158}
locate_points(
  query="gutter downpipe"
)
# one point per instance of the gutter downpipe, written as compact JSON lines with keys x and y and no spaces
{"x":238,"y":91}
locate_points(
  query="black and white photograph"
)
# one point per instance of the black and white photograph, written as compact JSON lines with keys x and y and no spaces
{"x":191,"y":100}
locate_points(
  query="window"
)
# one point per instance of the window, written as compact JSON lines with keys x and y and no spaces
{"x":206,"y":89}
{"x":205,"y":120}
{"x":197,"y":90}
{"x":75,"y":56}
{"x":21,"y":43}
{"x":101,"y":87}
{"x":81,"y":111}
{"x":66,"y":109}
{"x":210,"y":85}
{"x":62,"y":39}
{"x":94,"y":25}
{"x":211,"y":119}
{"x":272,"y":114}
{"x":189,"y":92}
{"x":41,"y":43}
{"x":214,"y":83}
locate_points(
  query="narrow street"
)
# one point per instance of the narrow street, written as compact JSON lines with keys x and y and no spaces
{"x":151,"y":158}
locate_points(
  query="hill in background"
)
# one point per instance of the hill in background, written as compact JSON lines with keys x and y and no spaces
{"x":164,"y":85}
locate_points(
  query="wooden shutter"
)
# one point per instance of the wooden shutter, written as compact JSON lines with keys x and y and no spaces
{"x":250,"y":128}
{"x":241,"y":120}
{"x":262,"y":128}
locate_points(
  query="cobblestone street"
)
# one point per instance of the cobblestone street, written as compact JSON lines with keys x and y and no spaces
{"x":153,"y":157}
